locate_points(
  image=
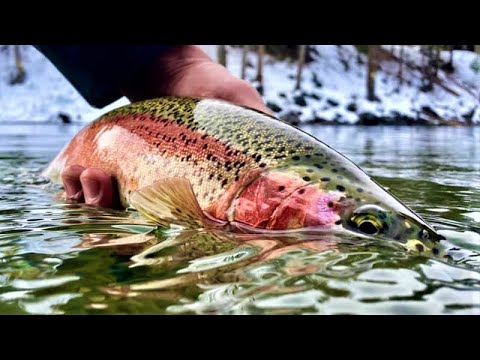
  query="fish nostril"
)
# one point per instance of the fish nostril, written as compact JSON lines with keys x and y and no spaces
{"x":424,"y":234}
{"x":420,"y":247}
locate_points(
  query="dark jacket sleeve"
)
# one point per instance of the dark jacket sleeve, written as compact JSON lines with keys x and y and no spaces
{"x":98,"y":71}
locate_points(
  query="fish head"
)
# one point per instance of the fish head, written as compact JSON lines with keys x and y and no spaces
{"x":377,"y":219}
{"x":349,"y":200}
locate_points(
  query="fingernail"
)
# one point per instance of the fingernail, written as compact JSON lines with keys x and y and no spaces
{"x":91,"y":191}
{"x":77,"y":197}
{"x":70,"y":189}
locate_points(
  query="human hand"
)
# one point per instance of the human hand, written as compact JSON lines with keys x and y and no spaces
{"x":182,"y":71}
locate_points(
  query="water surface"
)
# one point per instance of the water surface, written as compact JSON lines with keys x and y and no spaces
{"x":54,"y":259}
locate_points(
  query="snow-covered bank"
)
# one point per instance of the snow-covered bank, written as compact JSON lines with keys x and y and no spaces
{"x":45,"y":95}
{"x":333,"y":89}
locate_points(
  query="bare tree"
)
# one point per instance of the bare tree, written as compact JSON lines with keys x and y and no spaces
{"x":371,"y":68}
{"x":450,"y":59}
{"x":259,"y":78}
{"x":436,"y":60}
{"x":222,"y":55}
{"x":19,"y":77}
{"x":400,"y":65}
{"x":301,"y":61}
{"x":244,"y":61}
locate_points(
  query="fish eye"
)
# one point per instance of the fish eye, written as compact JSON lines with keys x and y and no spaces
{"x":368,"y":227}
{"x":366,"y":223}
{"x":367,"y":219}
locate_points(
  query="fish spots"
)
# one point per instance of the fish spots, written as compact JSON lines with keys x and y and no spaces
{"x":309,"y":171}
{"x":338,"y":222}
{"x":334,"y":170}
{"x":281,"y":188}
{"x":360,"y":190}
{"x":295,"y":158}
{"x":330,"y":204}
{"x":301,"y":191}
{"x":325,"y":179}
{"x":306,"y":178}
{"x":340,"y":188}
{"x":318,"y":166}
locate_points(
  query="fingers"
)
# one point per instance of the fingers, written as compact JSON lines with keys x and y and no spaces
{"x":97,"y":188}
{"x":188,"y":71}
{"x":242,"y":93}
{"x":72,"y":184}
{"x":92,"y":186}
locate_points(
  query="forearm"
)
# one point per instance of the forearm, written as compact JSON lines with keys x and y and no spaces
{"x":102,"y":73}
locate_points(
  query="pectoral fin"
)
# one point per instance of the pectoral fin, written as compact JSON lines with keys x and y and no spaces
{"x":171,"y":201}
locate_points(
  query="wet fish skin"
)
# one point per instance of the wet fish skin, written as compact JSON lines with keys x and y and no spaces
{"x":243,"y":166}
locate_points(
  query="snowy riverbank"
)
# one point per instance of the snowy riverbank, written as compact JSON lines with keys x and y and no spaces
{"x":333,"y":89}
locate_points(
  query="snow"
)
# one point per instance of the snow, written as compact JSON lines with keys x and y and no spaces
{"x":341,"y":97}
{"x":44,"y":94}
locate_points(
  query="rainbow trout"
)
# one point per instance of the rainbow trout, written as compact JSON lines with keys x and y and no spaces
{"x":200,"y":163}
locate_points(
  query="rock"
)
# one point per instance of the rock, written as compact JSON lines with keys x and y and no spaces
{"x":469,"y":116}
{"x":427,"y":110}
{"x":448,"y":68}
{"x":259,"y":89}
{"x":293,"y":117}
{"x":300,"y":100}
{"x":368,"y":119}
{"x":332,"y":102}
{"x":316,"y":82}
{"x":359,"y":60}
{"x":352,"y":107}
{"x":64,"y":118}
{"x":426,"y":87}
{"x":313,"y":96}
{"x":345,"y":64}
{"x":274,"y":107}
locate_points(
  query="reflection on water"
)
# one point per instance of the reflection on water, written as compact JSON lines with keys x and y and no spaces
{"x":59,"y":258}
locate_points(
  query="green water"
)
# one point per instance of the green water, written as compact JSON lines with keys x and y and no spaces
{"x":55,"y":257}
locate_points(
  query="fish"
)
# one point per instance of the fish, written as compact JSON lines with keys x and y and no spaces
{"x":200,"y":162}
